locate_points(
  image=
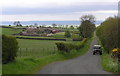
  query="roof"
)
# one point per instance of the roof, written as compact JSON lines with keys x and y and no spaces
{"x":97,"y":45}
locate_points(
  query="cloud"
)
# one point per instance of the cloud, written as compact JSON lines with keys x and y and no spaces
{"x":47,"y":3}
{"x":100,"y":16}
{"x":99,"y":12}
{"x":49,"y":10}
{"x":63,"y":9}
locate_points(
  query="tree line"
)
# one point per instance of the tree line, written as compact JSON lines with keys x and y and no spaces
{"x":108,"y":33}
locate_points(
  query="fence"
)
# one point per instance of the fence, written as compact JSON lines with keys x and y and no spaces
{"x":36,"y":52}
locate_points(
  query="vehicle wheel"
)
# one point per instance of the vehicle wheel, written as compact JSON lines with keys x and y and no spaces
{"x":93,"y":53}
{"x":100,"y":53}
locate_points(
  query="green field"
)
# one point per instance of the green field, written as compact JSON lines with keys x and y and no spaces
{"x":36,"y":48}
{"x":26,"y":43}
{"x":59,"y":35}
{"x":10,"y":31}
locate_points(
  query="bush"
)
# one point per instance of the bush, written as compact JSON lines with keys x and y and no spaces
{"x":9,"y":48}
{"x":80,"y":44}
{"x":67,"y":33}
{"x":67,"y":47}
{"x":64,"y":47}
{"x":76,"y":37}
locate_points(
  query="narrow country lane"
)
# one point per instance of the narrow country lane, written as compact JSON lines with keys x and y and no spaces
{"x":85,"y":64}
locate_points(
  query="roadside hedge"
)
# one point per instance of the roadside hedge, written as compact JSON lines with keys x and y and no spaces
{"x":9,"y":48}
{"x":108,"y":33}
{"x":67,"y":46}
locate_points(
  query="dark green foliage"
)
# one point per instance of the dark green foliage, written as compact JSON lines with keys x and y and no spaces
{"x":76,"y":37}
{"x":9,"y":48}
{"x":80,"y":44}
{"x":87,"y":26}
{"x":67,"y":47}
{"x":108,"y":33}
{"x":67,"y":33}
{"x":72,"y":27}
{"x":17,"y":23}
{"x":9,"y":25}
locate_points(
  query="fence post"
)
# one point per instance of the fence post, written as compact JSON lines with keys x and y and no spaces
{"x":20,"y":52}
{"x":43,"y":52}
{"x":54,"y":50}
{"x":48,"y":51}
{"x":26,"y":51}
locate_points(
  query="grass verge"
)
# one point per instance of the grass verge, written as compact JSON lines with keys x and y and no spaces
{"x":32,"y":65}
{"x":108,"y":63}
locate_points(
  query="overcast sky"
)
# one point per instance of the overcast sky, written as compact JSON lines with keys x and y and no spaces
{"x":56,"y":10}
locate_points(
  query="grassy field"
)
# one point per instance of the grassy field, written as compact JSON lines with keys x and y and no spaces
{"x":32,"y":65}
{"x":59,"y":35}
{"x":10,"y":31}
{"x":36,"y":48}
{"x":26,"y":43}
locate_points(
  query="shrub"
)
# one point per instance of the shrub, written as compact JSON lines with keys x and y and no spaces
{"x":76,"y":37}
{"x":9,"y":48}
{"x":80,"y":44}
{"x":116,"y":52}
{"x":67,"y":33}
{"x":67,"y":47}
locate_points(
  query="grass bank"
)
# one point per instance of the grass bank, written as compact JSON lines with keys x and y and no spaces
{"x":32,"y":65}
{"x":108,"y":63}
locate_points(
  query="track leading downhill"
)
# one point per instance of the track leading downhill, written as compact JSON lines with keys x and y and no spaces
{"x":85,"y":64}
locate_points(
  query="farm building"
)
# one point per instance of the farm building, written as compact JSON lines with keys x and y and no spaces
{"x":39,"y":31}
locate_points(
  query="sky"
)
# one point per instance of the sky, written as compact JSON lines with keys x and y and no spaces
{"x":56,"y":10}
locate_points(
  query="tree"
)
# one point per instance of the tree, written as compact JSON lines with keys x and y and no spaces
{"x":54,"y":25}
{"x":9,"y":25}
{"x":72,"y":27}
{"x":17,"y":23}
{"x":90,"y":18}
{"x":66,"y":26}
{"x":67,"y":33}
{"x":108,"y":33}
{"x":35,"y":24}
{"x":87,"y":26}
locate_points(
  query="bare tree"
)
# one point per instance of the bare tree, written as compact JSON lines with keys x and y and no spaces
{"x":90,"y":18}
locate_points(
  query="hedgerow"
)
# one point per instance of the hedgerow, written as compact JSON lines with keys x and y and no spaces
{"x":67,"y":46}
{"x":9,"y":48}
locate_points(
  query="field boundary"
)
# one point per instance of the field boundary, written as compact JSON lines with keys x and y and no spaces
{"x":41,"y":38}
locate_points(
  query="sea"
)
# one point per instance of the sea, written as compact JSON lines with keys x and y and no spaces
{"x":24,"y":23}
